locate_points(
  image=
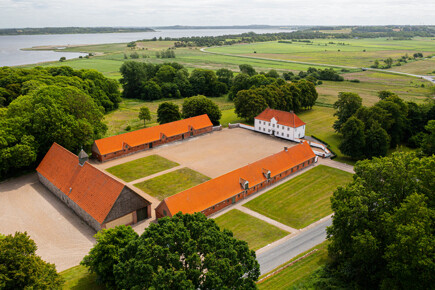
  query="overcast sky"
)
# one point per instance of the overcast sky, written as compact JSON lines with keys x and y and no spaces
{"x":42,"y":13}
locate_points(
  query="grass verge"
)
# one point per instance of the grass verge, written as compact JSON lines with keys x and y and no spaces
{"x":79,"y":278}
{"x":255,"y":232}
{"x":303,"y":199}
{"x":142,"y":167}
{"x":295,"y":274}
{"x":171,"y":183}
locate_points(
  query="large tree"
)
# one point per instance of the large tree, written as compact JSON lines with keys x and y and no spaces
{"x":21,"y":268}
{"x":377,"y":141}
{"x":168,"y":112}
{"x":199,"y":105}
{"x":382,"y":233}
{"x":353,"y":142}
{"x":186,"y":252}
{"x":247,"y":69}
{"x":346,"y":105}
{"x":105,"y":254}
{"x":204,"y":82}
{"x":144,"y":114}
{"x":249,"y":104}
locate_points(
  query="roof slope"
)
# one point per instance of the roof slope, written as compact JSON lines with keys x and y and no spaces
{"x":147,"y":135}
{"x":223,"y":187}
{"x":91,"y":189}
{"x":288,"y":119}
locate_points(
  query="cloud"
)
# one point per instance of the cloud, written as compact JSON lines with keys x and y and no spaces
{"x":31,"y":13}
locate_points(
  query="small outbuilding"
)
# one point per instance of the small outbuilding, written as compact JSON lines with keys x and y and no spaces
{"x":100,"y":200}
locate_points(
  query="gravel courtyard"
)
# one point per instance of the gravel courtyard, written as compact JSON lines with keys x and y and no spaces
{"x":215,"y":153}
{"x":61,"y":236}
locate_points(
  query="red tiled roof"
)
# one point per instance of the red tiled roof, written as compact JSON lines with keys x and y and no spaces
{"x":216,"y":190}
{"x":91,"y":189}
{"x":282,"y":117}
{"x":147,"y":135}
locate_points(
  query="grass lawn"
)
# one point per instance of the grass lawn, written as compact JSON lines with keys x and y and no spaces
{"x":142,"y":167}
{"x":245,"y":227}
{"x":171,"y":183}
{"x":303,"y":199}
{"x":296,"y":274}
{"x":78,"y":278}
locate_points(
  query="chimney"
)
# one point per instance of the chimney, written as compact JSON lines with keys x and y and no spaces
{"x":83,"y":157}
{"x":285,"y":149}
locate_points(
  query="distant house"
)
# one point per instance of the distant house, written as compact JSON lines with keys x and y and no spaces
{"x":100,"y":200}
{"x":218,"y":193}
{"x":147,"y":138}
{"x":282,"y":124}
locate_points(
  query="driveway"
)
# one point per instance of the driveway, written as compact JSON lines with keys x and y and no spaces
{"x":61,"y":236}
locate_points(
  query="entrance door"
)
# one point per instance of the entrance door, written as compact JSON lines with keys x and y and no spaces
{"x":151,"y":145}
{"x":182,"y":137}
{"x":142,"y":214}
{"x":234,"y":199}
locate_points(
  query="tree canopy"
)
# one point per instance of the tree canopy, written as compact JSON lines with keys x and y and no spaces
{"x":182,"y":252}
{"x":168,"y":112}
{"x":346,"y":105}
{"x":21,"y":268}
{"x":199,"y":105}
{"x":382,"y":234}
{"x":144,"y":114}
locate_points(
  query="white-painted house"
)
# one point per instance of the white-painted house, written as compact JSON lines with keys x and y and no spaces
{"x":280,"y":123}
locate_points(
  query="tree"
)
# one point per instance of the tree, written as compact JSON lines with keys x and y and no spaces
{"x":249,"y":104}
{"x":199,"y":105}
{"x":247,"y":69}
{"x":308,"y":93}
{"x":388,"y":62}
{"x":353,"y":141}
{"x":398,"y":111}
{"x":186,"y":252}
{"x":428,"y":144}
{"x":21,"y":268}
{"x":272,"y":74}
{"x":105,"y":254}
{"x":346,"y":105}
{"x":151,"y":91}
{"x":204,"y":82}
{"x":385,"y":94}
{"x":240,"y":82}
{"x":144,"y":114}
{"x":168,"y":112}
{"x":225,"y":76}
{"x":382,"y":229}
{"x":377,"y":141}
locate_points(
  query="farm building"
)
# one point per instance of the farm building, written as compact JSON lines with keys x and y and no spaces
{"x":218,"y":193}
{"x":280,"y":123}
{"x":147,"y":138}
{"x":100,"y":200}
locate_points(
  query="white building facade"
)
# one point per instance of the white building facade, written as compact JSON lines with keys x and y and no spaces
{"x":281,"y":124}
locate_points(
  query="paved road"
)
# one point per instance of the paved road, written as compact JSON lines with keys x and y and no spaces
{"x":282,"y":253}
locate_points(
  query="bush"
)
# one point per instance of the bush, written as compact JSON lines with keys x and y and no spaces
{"x":128,"y":128}
{"x":62,"y":59}
{"x":354,"y":81}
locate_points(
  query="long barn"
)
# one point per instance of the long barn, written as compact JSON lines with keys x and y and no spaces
{"x":147,"y":138}
{"x":218,"y":193}
{"x":100,"y":200}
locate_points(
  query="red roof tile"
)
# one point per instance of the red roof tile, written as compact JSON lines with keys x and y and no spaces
{"x":219,"y":189}
{"x":91,"y":189}
{"x":147,"y":135}
{"x":282,"y":117}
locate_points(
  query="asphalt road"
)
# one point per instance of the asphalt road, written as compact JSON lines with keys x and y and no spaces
{"x":282,"y":253}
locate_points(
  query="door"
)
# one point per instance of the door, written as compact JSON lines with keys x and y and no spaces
{"x":151,"y":145}
{"x":234,"y":199}
{"x":142,"y":214}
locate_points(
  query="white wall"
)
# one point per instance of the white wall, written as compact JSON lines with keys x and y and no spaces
{"x":281,"y":131}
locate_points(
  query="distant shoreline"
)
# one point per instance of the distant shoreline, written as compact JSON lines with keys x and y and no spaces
{"x":69,"y":30}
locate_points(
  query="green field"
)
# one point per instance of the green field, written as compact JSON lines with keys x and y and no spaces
{"x":255,"y":232}
{"x":294,"y":276}
{"x":142,"y":167}
{"x":303,"y":199}
{"x":171,"y":183}
{"x":78,"y":278}
{"x":322,"y":51}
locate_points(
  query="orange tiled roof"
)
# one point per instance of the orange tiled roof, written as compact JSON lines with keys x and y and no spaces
{"x":282,"y":117}
{"x":216,"y":190}
{"x":91,"y":189}
{"x":147,"y":135}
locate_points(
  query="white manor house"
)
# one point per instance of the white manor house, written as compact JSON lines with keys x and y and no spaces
{"x":281,"y":124}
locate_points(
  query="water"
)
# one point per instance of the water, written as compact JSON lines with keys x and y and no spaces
{"x":11,"y":52}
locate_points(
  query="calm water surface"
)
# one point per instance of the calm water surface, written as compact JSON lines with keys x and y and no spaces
{"x":11,"y":52}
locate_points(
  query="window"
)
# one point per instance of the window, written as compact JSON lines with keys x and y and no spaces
{"x":264,"y":129}
{"x":260,"y":128}
{"x":164,"y":213}
{"x":288,"y":129}
{"x":282,"y":134}
{"x":277,"y":126}
{"x":287,"y":135}
{"x":273,"y":125}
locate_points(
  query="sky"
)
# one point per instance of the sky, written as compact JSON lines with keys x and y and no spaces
{"x":149,"y":13}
